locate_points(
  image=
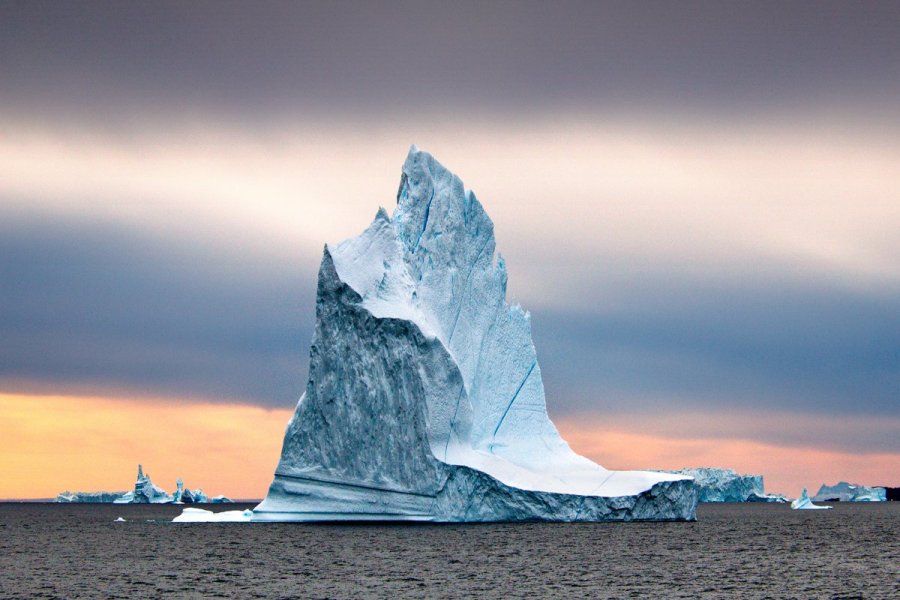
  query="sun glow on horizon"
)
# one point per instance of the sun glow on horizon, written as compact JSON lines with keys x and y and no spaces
{"x":57,"y":443}
{"x":54,"y":443}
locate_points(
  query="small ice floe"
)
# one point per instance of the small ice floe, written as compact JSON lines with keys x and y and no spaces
{"x":199,"y":515}
{"x":804,"y":503}
{"x":119,"y":520}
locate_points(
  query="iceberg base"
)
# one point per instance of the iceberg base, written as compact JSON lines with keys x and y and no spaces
{"x":467,"y":495}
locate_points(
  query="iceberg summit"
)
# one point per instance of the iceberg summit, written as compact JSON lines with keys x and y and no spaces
{"x":425,"y":400}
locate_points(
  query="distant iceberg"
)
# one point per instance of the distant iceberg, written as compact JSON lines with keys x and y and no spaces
{"x":726,"y":485}
{"x":425,"y":399}
{"x":804,"y":503}
{"x":850,"y":492}
{"x":144,"y":492}
{"x":89,"y":497}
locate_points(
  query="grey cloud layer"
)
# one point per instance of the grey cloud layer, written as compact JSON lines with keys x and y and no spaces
{"x":94,"y":307}
{"x":367,"y":57}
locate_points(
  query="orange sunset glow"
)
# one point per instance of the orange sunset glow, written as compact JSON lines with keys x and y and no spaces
{"x":56,"y":443}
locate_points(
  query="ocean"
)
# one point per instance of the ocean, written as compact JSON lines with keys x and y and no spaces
{"x":731,"y":551}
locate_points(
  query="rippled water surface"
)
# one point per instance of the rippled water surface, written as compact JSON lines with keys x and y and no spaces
{"x":739,"y":551}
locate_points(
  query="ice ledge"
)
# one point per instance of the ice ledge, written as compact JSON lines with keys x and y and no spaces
{"x":467,"y":496}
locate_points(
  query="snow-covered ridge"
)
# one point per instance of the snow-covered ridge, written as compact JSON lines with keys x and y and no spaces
{"x":425,"y":399}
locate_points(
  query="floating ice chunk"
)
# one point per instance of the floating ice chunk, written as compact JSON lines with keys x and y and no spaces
{"x":199,"y":515}
{"x":119,"y":520}
{"x":804,"y":503}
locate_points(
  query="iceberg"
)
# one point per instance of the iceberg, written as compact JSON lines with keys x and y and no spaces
{"x":145,"y":492}
{"x":850,"y":492}
{"x":220,"y":499}
{"x":726,"y":485}
{"x":93,"y":497}
{"x":768,"y":498}
{"x":425,"y":400}
{"x":804,"y":503}
{"x":194,"y":497}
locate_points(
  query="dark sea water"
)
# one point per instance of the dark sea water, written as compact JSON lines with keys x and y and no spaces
{"x":732,"y":551}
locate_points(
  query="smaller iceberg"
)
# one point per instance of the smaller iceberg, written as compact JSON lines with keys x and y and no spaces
{"x":804,"y":503}
{"x":194,"y":497}
{"x":850,"y":492}
{"x":145,"y":492}
{"x":119,"y":520}
{"x":199,"y":515}
{"x":220,"y":499}
{"x":726,"y":485}
{"x":90,"y":497}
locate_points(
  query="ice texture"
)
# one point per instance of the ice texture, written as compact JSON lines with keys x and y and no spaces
{"x":804,"y":503}
{"x":850,"y":492}
{"x":425,"y":399}
{"x":726,"y":485}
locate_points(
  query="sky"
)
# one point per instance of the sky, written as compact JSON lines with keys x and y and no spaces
{"x":698,"y":203}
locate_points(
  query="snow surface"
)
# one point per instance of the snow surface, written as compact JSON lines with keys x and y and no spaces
{"x":425,"y":399}
{"x":850,"y":492}
{"x":804,"y":503}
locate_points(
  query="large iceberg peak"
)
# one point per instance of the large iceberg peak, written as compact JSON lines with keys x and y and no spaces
{"x":424,"y":390}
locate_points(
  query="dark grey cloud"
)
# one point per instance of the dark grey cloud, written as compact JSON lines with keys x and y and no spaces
{"x":255,"y":59}
{"x":91,"y":306}
{"x":808,"y":348}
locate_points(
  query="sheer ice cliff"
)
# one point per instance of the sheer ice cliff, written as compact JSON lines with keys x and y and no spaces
{"x":425,"y":399}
